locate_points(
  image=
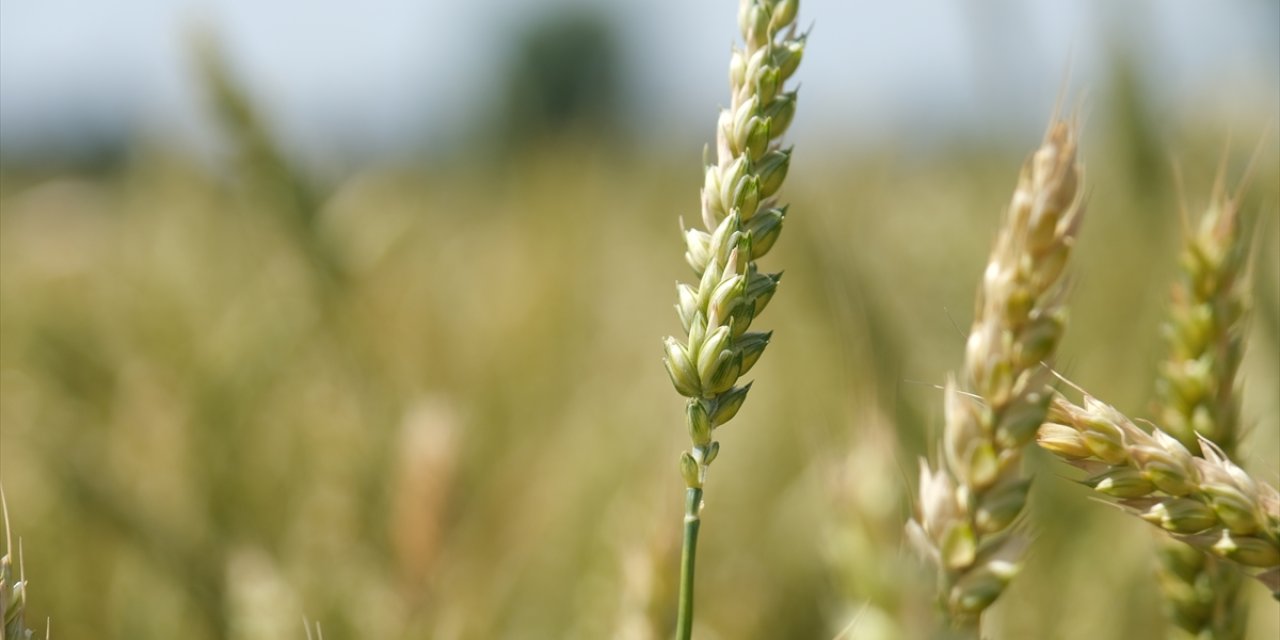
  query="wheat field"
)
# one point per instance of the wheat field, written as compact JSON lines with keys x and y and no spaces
{"x":427,"y":400}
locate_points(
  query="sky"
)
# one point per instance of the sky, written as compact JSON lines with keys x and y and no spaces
{"x":389,"y":74}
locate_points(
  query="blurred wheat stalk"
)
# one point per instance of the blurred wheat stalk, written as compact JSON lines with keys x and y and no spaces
{"x":742,"y":222}
{"x":968,"y":506}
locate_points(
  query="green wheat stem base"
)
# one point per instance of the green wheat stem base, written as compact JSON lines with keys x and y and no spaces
{"x":688,"y":554}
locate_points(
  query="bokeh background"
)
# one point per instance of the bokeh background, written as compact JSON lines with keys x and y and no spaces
{"x":352,"y":311}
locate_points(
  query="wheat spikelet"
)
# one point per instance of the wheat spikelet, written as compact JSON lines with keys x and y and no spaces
{"x":1207,"y":502}
{"x":968,"y":505}
{"x":1198,"y":398}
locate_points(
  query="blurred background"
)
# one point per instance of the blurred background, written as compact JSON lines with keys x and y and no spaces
{"x":353,"y":311}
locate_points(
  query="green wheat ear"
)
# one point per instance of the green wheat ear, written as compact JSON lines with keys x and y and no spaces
{"x":1198,"y":398}
{"x":1197,"y":391}
{"x":742,"y":219}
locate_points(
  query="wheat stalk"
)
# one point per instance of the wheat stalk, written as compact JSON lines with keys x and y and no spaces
{"x":1198,"y":398}
{"x":968,"y":505}
{"x":1207,"y":502}
{"x":742,"y":221}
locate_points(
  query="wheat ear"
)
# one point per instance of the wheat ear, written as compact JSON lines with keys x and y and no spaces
{"x":1207,"y":502}
{"x":742,"y":220}
{"x":1197,"y":386}
{"x":967,"y":507}
{"x":1198,"y":398}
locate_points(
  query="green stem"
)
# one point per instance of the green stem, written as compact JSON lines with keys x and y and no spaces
{"x":692,"y":520}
